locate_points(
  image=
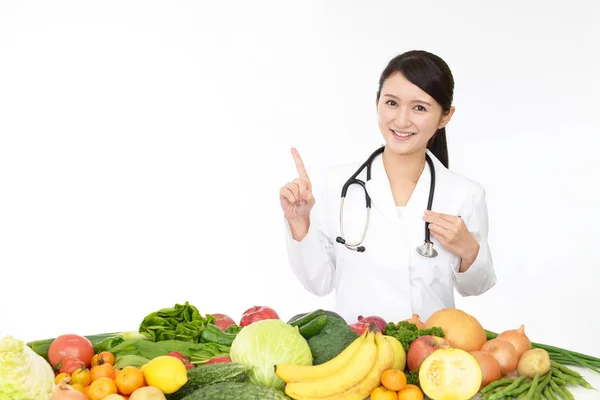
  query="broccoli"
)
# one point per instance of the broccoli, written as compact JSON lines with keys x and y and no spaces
{"x":335,"y":336}
{"x":406,"y":332}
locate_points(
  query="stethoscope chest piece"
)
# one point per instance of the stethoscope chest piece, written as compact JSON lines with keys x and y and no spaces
{"x":427,"y":250}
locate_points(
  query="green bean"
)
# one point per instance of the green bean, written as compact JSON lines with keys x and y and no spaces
{"x":523,"y":387}
{"x":564,"y":369}
{"x":543,"y":383}
{"x":567,"y":378}
{"x":562,"y":392}
{"x":504,"y":391}
{"x":559,"y":381}
{"x":549,"y":393}
{"x":533,"y":387}
{"x":495,"y":384}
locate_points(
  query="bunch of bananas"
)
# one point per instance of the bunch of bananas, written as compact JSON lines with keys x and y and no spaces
{"x":351,"y":375}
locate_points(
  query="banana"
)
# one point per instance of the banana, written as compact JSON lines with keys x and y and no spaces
{"x":357,"y":368}
{"x":399,"y":353}
{"x":362,"y":390}
{"x":297,"y":373}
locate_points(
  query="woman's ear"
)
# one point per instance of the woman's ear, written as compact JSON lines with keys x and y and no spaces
{"x":446,"y":117}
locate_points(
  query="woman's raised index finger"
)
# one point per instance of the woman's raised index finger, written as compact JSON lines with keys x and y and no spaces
{"x":299,"y":164}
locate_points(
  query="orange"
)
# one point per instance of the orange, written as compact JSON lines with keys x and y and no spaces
{"x":410,"y":392}
{"x":381,"y":393}
{"x":102,"y":371}
{"x":101,"y":388}
{"x":129,"y":379}
{"x":393,"y":379}
{"x":78,"y":386}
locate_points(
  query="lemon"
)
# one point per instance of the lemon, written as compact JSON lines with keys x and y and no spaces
{"x":166,"y":373}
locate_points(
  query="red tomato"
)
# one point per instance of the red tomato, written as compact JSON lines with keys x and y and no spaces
{"x":183,"y":359}
{"x":71,"y":345}
{"x":223,"y":321}
{"x":257,"y":313}
{"x":70,"y":364}
{"x":218,"y":360}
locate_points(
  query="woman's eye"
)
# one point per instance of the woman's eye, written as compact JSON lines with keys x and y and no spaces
{"x":390,"y":102}
{"x":421,"y":108}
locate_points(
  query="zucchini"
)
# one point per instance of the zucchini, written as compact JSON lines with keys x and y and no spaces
{"x":236,"y":390}
{"x":313,"y":327}
{"x":219,"y":372}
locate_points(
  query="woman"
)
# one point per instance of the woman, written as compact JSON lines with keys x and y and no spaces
{"x":387,"y":276}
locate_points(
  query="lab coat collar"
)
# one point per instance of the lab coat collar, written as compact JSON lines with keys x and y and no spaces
{"x":380,"y":191}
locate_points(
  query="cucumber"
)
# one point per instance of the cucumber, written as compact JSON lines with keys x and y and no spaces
{"x":236,"y":390}
{"x":328,"y":313}
{"x":219,"y":372}
{"x":306,"y":318}
{"x":313,"y":327}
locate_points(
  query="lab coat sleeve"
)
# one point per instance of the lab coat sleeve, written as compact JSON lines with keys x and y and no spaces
{"x":481,"y":276}
{"x":312,"y":260}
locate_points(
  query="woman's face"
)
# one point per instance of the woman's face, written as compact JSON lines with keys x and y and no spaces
{"x":407,"y":116}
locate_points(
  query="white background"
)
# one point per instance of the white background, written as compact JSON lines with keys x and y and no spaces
{"x":143,"y":144}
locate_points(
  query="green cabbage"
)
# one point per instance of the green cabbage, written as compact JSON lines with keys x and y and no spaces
{"x":24,"y":375}
{"x":266,"y":343}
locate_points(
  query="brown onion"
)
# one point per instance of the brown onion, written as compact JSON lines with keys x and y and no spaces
{"x":518,"y":338}
{"x":490,"y":368}
{"x":416,"y":319}
{"x":66,"y":392}
{"x":504,"y":352}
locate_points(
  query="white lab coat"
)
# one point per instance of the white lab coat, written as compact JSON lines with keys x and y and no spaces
{"x":390,"y":279}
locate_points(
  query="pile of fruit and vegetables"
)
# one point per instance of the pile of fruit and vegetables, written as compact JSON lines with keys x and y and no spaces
{"x":179,"y":354}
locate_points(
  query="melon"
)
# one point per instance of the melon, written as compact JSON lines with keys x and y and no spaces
{"x":450,"y":374}
{"x":462,"y":330}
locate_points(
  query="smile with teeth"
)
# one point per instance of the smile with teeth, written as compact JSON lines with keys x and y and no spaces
{"x":403,"y":134}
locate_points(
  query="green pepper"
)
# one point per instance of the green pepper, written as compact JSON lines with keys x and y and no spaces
{"x":212,"y":333}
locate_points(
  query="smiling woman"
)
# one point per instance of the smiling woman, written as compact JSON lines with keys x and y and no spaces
{"x":414,"y":106}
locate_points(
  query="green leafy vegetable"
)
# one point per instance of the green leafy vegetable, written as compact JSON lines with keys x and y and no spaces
{"x":130,"y":360}
{"x":406,"y":332}
{"x":181,"y":322}
{"x":149,"y":350}
{"x":265,"y":344}
{"x":24,"y":374}
{"x":233,"y":328}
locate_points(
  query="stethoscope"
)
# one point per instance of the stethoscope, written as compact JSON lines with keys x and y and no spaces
{"x":426,"y":250}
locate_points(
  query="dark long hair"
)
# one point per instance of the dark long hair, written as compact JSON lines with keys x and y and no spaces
{"x":430,"y":73}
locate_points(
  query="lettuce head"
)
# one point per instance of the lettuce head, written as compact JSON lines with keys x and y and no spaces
{"x":24,"y":375}
{"x":264,"y":344}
